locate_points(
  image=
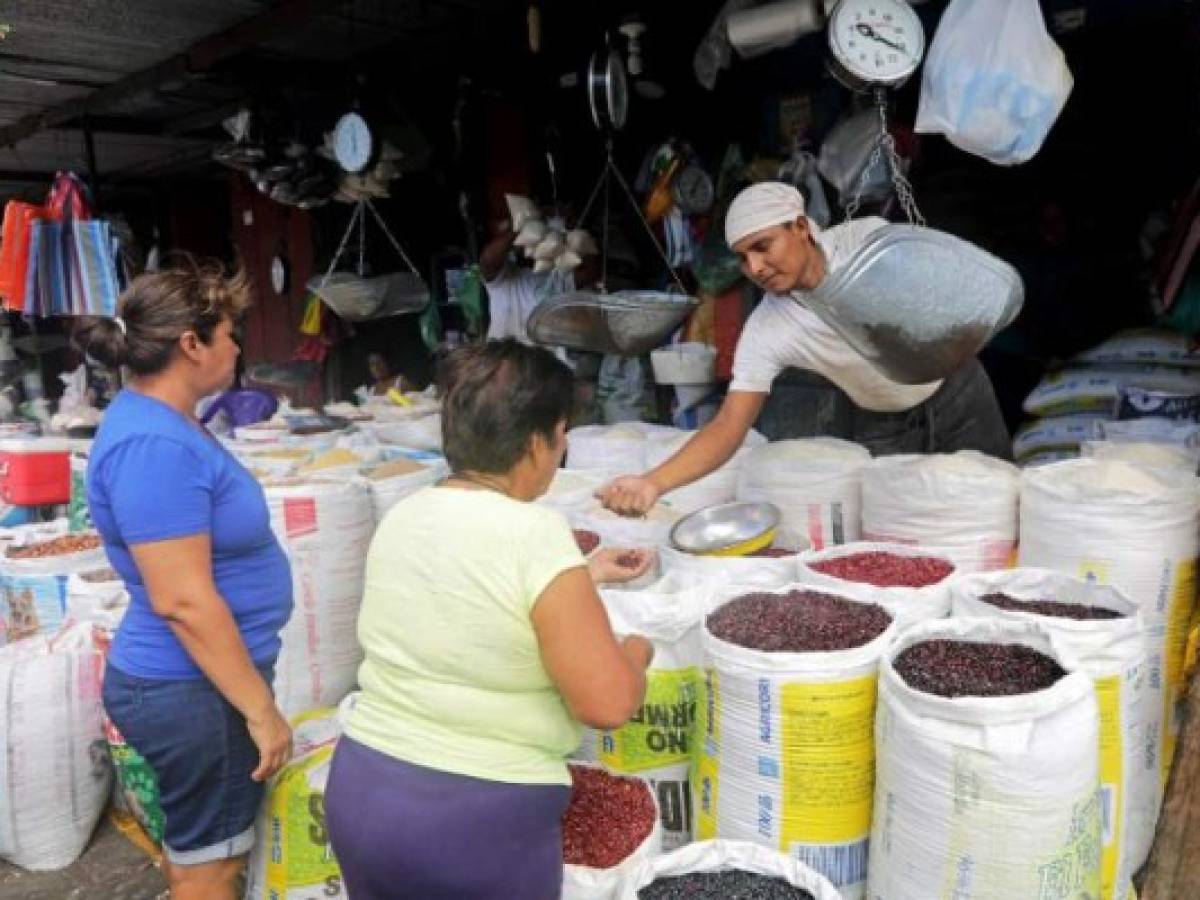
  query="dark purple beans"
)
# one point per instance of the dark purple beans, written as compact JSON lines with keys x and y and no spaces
{"x":1052,"y":608}
{"x":798,"y":622}
{"x":951,"y":668}
{"x":733,"y":884}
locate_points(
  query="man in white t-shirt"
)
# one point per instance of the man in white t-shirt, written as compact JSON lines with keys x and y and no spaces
{"x":786,"y":255}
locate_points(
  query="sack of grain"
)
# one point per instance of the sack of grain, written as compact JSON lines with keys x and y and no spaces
{"x":55,"y":767}
{"x":786,"y":726}
{"x":1105,"y":633}
{"x":1136,"y":528}
{"x":963,"y":504}
{"x":724,"y":858}
{"x":34,"y":568}
{"x":985,"y":797}
{"x":325,"y":529}
{"x":815,"y":482}
{"x":911,"y":583}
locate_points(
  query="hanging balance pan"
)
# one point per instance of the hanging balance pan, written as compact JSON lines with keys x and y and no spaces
{"x":608,"y":90}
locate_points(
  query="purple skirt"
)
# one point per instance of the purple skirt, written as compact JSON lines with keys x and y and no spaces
{"x":402,"y":831}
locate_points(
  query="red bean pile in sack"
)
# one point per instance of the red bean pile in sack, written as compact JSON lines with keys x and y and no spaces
{"x":608,"y":818}
{"x":587,"y":540}
{"x":951,"y":668}
{"x":883,"y":569}
{"x":1051,"y":608}
{"x":797,"y":622}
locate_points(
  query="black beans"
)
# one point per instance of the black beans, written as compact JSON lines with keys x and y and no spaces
{"x":798,"y":622}
{"x":950,"y":668}
{"x":1053,"y":608}
{"x":733,"y":884}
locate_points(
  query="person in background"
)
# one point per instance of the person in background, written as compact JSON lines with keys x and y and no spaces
{"x":485,"y":645}
{"x":188,"y":679}
{"x":382,"y":379}
{"x":787,"y":256}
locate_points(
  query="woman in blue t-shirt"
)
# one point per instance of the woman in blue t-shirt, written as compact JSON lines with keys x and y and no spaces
{"x":188,"y":681}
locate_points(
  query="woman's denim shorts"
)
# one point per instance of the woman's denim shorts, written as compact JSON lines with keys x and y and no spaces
{"x":201,"y":751}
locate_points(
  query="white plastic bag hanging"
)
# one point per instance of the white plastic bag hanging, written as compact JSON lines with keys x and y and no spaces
{"x":995,"y":81}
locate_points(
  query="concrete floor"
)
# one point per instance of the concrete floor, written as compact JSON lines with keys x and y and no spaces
{"x":111,"y":868}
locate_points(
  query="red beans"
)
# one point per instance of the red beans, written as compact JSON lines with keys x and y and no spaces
{"x":587,"y":540}
{"x":1051,"y":608}
{"x":797,"y":622}
{"x":629,"y":559}
{"x":59,"y":546}
{"x":608,"y":818}
{"x":883,"y":569}
{"x":950,"y":668}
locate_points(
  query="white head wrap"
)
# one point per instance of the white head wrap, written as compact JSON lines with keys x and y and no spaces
{"x":761,"y":206}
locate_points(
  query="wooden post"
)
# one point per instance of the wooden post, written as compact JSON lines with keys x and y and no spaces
{"x":1173,"y":872}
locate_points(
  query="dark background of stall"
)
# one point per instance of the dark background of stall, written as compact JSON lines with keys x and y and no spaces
{"x":1073,"y":220}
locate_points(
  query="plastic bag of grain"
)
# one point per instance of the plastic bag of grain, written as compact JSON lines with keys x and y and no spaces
{"x":985,"y":797}
{"x":292,"y":859}
{"x":1144,"y":346}
{"x":1136,"y":528}
{"x":34,"y":569}
{"x":769,"y":569}
{"x":728,"y":856}
{"x":612,"y":825}
{"x":717,"y":487}
{"x":54,"y":765}
{"x":325,"y":528}
{"x":963,"y":504}
{"x":1104,"y":631}
{"x":656,"y":744}
{"x":785,"y":735}
{"x":1084,"y":390}
{"x":815,"y":482}
{"x":392,"y":481}
{"x":97,"y":596}
{"x":912,"y":583}
{"x":1056,"y":434}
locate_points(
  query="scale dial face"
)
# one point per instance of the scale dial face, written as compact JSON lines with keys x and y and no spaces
{"x":353,"y":143}
{"x":876,"y":41}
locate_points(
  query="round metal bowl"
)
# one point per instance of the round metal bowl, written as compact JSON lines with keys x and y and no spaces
{"x":729,"y":529}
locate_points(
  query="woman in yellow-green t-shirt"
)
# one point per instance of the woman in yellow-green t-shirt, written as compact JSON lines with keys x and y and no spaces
{"x":485,"y":645}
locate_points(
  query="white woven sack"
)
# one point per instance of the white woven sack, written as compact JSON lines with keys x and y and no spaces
{"x":102,"y":603}
{"x":722,"y":856}
{"x":587,"y":883}
{"x":54,"y":765}
{"x":1133,"y":527}
{"x":963,"y":504}
{"x":611,"y":449}
{"x":750,"y":571}
{"x":1113,"y":653}
{"x":716,"y":487}
{"x":387,"y":492}
{"x":984,"y":798}
{"x":325,"y":528}
{"x":656,"y":743}
{"x":786,"y":750}
{"x":815,"y":482}
{"x":906,"y":604}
